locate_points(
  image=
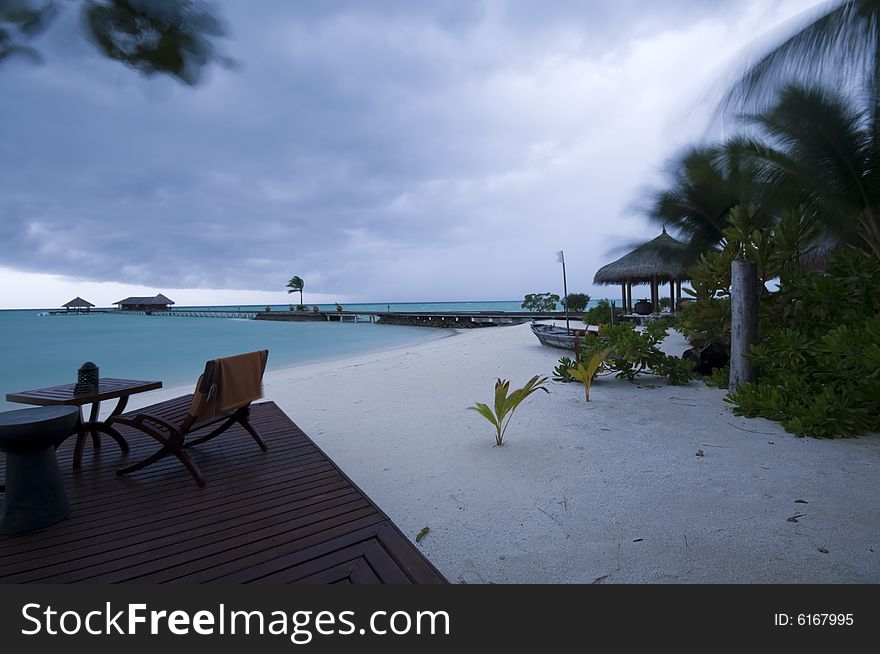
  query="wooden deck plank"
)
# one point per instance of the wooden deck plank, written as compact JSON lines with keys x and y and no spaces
{"x":222,"y":564}
{"x":171,"y":522}
{"x":287,"y":515}
{"x":170,"y":537}
{"x":357,"y":572}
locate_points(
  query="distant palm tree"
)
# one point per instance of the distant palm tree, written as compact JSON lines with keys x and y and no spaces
{"x":819,"y":149}
{"x":837,"y":42}
{"x":296,"y":284}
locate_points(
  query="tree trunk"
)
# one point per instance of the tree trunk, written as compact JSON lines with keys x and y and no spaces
{"x":743,"y":320}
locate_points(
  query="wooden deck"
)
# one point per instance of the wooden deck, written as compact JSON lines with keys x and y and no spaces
{"x":289,"y":515}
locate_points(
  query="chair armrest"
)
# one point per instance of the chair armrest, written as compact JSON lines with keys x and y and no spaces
{"x":159,"y":421}
{"x":140,"y":418}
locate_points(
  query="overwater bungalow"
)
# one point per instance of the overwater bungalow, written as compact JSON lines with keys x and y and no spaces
{"x":78,"y":305}
{"x":158,"y":303}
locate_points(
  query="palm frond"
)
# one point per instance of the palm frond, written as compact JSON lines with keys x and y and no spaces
{"x":835,"y":41}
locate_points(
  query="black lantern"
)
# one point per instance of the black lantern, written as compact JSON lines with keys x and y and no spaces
{"x":87,"y":379}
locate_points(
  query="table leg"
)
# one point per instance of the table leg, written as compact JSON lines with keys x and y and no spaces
{"x":120,"y":407}
{"x":80,"y":431}
{"x":104,"y":428}
{"x":94,"y":427}
{"x":93,"y":418}
{"x":110,"y":431}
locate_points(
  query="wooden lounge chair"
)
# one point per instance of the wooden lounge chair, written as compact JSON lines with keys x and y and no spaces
{"x":223,"y":393}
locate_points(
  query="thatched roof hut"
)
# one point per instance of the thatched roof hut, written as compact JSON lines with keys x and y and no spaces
{"x":78,"y":304}
{"x":658,"y":261}
{"x":157,"y":303}
{"x":655,"y":259}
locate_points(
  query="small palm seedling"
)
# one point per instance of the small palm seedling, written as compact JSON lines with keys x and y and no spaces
{"x":506,"y":404}
{"x":586,"y":374}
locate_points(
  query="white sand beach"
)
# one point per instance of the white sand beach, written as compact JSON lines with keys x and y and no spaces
{"x":610,"y":491}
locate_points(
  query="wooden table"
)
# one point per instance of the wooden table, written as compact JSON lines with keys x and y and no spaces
{"x":108,"y":389}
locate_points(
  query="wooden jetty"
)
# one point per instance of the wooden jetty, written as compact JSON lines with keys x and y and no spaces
{"x":64,"y":312}
{"x":243,"y":314}
{"x":447,"y":319}
{"x":209,"y":313}
{"x":289,"y":515}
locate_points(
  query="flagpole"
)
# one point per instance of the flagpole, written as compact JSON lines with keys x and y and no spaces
{"x":565,"y":290}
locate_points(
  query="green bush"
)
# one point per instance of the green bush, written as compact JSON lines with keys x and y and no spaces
{"x":540,"y":302}
{"x":705,"y":321}
{"x":818,"y":374}
{"x":560,"y":372}
{"x":576,"y":302}
{"x":676,"y":371}
{"x":630,"y":353}
{"x":599,"y":314}
{"x":718,"y":378}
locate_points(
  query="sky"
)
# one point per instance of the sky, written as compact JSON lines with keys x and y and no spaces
{"x":384,"y":151}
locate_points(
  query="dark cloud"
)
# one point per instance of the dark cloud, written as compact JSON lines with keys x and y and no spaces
{"x":381,"y":149}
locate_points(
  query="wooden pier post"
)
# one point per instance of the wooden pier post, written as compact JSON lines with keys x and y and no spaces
{"x":743,"y":320}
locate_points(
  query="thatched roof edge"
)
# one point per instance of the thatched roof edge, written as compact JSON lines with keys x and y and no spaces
{"x":646,"y":263}
{"x":77,"y":302}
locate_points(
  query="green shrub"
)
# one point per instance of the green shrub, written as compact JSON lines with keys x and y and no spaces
{"x":560,"y":372}
{"x":630,"y":353}
{"x":718,"y":378}
{"x":599,"y":314}
{"x":540,"y":302}
{"x":819,"y":373}
{"x":705,"y":321}
{"x":576,"y":302}
{"x":677,"y":371}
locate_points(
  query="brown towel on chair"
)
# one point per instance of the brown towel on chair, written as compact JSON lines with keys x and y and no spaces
{"x":233,"y":382}
{"x":240,"y":380}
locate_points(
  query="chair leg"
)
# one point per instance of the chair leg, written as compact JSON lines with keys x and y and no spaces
{"x":161,"y":453}
{"x":242,"y":417}
{"x":164,"y":451}
{"x":79,"y":447}
{"x":244,"y":422}
{"x":226,"y":425}
{"x":191,"y":466}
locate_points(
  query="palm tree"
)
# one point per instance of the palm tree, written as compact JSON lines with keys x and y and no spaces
{"x":172,"y":37}
{"x":705,"y":183}
{"x":296,"y":284}
{"x":839,"y":40}
{"x":175,"y":37}
{"x":20,"y":22}
{"x":820,"y":150}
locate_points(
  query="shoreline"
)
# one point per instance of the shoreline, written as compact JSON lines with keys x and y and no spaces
{"x":316,"y":365}
{"x":611,"y":490}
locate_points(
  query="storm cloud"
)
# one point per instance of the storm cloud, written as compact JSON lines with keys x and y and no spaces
{"x":381,"y":151}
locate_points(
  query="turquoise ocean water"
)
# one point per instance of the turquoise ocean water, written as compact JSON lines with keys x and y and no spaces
{"x":47,"y":350}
